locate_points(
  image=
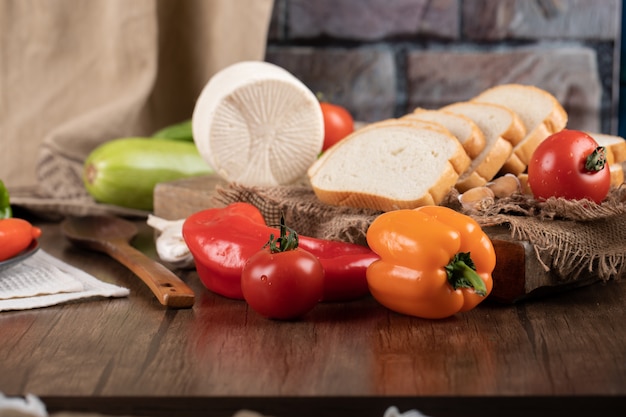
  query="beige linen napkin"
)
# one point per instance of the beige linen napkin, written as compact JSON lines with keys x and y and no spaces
{"x":43,"y":280}
{"x":74,"y":76}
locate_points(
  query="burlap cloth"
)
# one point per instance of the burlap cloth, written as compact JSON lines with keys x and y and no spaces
{"x":77,"y":73}
{"x":569,"y":237}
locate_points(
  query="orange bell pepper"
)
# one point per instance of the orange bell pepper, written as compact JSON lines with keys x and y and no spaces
{"x":434,"y":262}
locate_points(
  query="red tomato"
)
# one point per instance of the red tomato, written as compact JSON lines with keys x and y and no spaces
{"x":338,"y":123}
{"x":282,"y":285}
{"x":571,"y":165}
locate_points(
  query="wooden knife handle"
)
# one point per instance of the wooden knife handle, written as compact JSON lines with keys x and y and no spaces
{"x":170,"y":290}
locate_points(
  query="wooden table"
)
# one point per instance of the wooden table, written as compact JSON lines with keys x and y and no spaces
{"x":562,"y":355}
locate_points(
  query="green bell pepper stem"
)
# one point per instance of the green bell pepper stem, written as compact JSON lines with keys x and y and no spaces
{"x":462,"y":274}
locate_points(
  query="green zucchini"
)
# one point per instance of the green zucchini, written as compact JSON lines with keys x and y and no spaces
{"x":178,"y":131}
{"x":124,"y":171}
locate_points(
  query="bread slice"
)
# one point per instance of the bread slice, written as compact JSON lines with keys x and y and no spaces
{"x":423,"y":123}
{"x":464,"y":128}
{"x":497,"y":124}
{"x":389,"y":165}
{"x":615,"y":146}
{"x":617,"y":174}
{"x":539,"y":110}
{"x":392,"y":121}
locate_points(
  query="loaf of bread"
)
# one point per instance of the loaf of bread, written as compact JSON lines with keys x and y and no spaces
{"x":464,"y":128}
{"x":389,"y":165}
{"x":540,"y":112}
{"x":417,"y":159}
{"x":501,"y":129}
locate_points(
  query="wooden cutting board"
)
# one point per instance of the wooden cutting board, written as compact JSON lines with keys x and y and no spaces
{"x":518,"y":274}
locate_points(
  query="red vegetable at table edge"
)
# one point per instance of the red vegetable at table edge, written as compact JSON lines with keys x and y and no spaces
{"x":15,"y":234}
{"x":569,"y":164}
{"x":221,"y":240}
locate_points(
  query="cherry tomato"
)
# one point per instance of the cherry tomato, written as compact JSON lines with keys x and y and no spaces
{"x":15,"y":236}
{"x":571,"y":165}
{"x":283,"y":285}
{"x":283,"y":281}
{"x":338,"y":123}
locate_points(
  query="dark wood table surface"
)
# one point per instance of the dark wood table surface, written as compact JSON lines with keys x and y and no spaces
{"x":560,"y":355}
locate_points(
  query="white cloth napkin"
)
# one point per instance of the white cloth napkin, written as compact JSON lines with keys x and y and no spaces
{"x":43,"y":280}
{"x":28,"y":406}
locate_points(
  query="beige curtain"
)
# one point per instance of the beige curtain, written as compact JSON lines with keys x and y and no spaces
{"x":76,"y":73}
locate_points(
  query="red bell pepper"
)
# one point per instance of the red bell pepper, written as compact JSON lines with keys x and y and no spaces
{"x":221,"y":240}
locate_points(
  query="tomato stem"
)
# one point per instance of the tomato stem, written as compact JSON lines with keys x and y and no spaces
{"x":462,"y":274}
{"x":596,"y":160}
{"x":288,"y":239}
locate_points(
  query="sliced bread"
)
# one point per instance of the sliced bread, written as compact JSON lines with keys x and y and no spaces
{"x":423,"y":123}
{"x":617,"y":174}
{"x":540,"y":112}
{"x":615,"y":146}
{"x":389,"y":165}
{"x":497,"y":124}
{"x":392,"y":121}
{"x":464,"y":128}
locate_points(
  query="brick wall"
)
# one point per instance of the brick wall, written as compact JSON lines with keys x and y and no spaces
{"x":383,"y":58}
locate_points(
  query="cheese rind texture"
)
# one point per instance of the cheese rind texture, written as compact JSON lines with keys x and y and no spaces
{"x":257,"y":125}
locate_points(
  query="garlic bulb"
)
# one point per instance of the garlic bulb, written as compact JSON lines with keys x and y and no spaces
{"x":170,"y":245}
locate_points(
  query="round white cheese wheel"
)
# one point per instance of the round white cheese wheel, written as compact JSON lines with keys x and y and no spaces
{"x":257,"y":125}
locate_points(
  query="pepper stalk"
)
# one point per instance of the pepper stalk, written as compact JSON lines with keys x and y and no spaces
{"x":287,"y":241}
{"x":596,"y":160}
{"x":462,"y":274}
